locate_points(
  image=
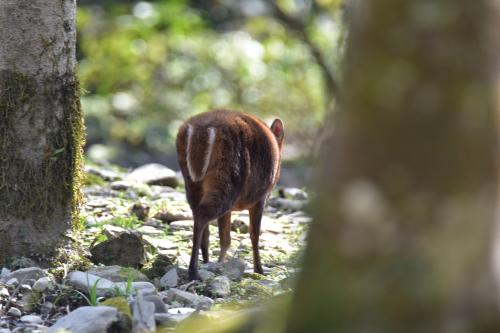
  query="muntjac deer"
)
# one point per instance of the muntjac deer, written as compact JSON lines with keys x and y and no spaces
{"x":230,"y":161}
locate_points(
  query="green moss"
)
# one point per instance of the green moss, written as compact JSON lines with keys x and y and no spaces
{"x":119,"y":303}
{"x":91,"y":179}
{"x":44,"y":191}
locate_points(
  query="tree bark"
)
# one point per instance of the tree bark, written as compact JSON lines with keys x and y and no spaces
{"x":402,"y":234}
{"x":41,"y":126}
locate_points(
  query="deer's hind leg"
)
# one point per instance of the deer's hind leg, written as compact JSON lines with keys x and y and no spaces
{"x":224,"y":223}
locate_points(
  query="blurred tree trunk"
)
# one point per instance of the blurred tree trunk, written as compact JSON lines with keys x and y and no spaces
{"x":402,"y":235}
{"x":41,"y":126}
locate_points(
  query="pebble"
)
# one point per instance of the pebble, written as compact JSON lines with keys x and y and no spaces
{"x":143,"y":319}
{"x":25,"y":274}
{"x":4,"y":292}
{"x":220,"y":286}
{"x":173,"y":316}
{"x":170,"y":278}
{"x":234,"y":268}
{"x":14,"y":312}
{"x":31,"y":319}
{"x":41,"y":284}
{"x":12,"y":282}
{"x":188,"y":299}
{"x":154,"y":174}
{"x":77,"y":321}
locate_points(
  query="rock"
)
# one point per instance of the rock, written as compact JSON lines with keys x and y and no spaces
{"x":25,"y":288}
{"x":31,"y":319}
{"x":4,"y":292}
{"x":288,"y":204}
{"x":239,"y":226}
{"x":14,"y":312}
{"x":140,"y":210}
{"x":173,"y":214}
{"x":160,"y":243}
{"x":159,"y":266}
{"x":151,"y":231}
{"x":46,"y":308}
{"x":220,"y":286}
{"x":12,"y":282}
{"x":145,"y":288}
{"x":25,"y":274}
{"x":104,"y":287}
{"x":160,"y":307}
{"x":105,"y":174}
{"x":126,"y":249}
{"x":22,"y":262}
{"x":181,"y":225}
{"x":188,"y":299}
{"x":111,"y":231}
{"x":41,"y":284}
{"x":129,"y":185}
{"x":214,"y":267}
{"x":170,"y":278}
{"x":205,"y":274}
{"x":143,"y":316}
{"x":173,"y":316}
{"x":154,"y":174}
{"x":102,"y":319}
{"x":234,"y":269}
{"x":86,"y":281}
{"x":5,"y":271}
{"x":117,"y":273}
{"x":293,"y":193}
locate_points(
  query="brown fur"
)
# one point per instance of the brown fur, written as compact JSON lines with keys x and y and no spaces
{"x":242,"y":170}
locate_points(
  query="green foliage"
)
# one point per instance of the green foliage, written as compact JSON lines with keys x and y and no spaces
{"x":119,"y":303}
{"x":126,"y":222}
{"x":148,"y":65}
{"x":91,"y":179}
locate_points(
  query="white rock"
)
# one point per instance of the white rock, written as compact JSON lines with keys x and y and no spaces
{"x":153,"y":174}
{"x":205,"y":274}
{"x":160,"y":307}
{"x":25,"y":274}
{"x":4,"y":292}
{"x":181,"y":225}
{"x":234,"y":268}
{"x":14,"y":312}
{"x":188,"y":299}
{"x":41,"y":284}
{"x":12,"y":282}
{"x":170,"y":278}
{"x":86,"y":281}
{"x":220,"y":286}
{"x":145,"y":288}
{"x":31,"y":319}
{"x":5,"y":271}
{"x":173,"y":316}
{"x":87,"y":319}
{"x":143,"y":316}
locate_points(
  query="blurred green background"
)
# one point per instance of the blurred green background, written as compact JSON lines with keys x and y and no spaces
{"x":147,"y":66}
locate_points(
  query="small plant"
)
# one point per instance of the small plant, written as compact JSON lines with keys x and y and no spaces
{"x":92,"y":300}
{"x":126,"y":222}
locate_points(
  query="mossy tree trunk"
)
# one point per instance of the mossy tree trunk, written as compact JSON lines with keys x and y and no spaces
{"x":41,"y":127}
{"x":401,"y":240}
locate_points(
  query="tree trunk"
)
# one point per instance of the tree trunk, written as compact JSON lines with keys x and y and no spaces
{"x":41,"y":126}
{"x":402,"y":234}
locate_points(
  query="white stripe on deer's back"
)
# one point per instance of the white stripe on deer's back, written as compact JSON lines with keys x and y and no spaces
{"x":192,"y":174}
{"x":208,"y":153}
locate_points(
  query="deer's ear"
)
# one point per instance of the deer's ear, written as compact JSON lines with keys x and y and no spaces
{"x":278,"y":129}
